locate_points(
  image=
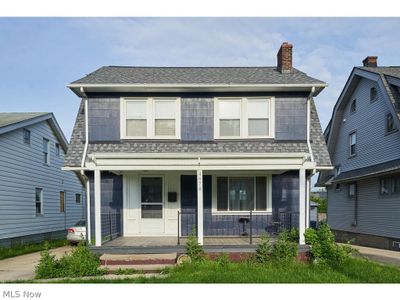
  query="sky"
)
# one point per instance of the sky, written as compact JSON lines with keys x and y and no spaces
{"x":40,"y":56}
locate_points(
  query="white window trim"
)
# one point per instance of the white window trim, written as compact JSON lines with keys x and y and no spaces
{"x":41,"y":202}
{"x":150,"y":117}
{"x":244,"y":118}
{"x":215,"y":211}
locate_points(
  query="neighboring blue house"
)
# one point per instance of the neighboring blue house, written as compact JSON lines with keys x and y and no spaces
{"x":38,"y":200}
{"x":168,"y":148}
{"x":363,"y":140}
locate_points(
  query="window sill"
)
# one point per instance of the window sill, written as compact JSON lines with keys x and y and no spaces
{"x":142,"y":138}
{"x":235,"y":138}
{"x":241,"y":213}
{"x":390,"y":132}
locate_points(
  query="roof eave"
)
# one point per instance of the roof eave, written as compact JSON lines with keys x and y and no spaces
{"x":126,"y":88}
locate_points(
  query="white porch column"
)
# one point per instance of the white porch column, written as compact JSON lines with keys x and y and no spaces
{"x":302,"y":205}
{"x":200,"y":206}
{"x":88,"y":213}
{"x":308,"y":186}
{"x":97,"y":207}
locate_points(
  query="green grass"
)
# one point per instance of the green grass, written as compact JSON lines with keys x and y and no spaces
{"x":355,"y":270}
{"x":25,"y":249}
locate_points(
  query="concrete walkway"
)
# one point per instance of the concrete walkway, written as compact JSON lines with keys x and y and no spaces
{"x":380,"y":255}
{"x":23,"y":267}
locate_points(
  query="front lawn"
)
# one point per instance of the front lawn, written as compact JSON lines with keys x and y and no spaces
{"x":355,"y":270}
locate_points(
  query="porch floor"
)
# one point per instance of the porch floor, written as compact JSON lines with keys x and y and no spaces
{"x":173,"y":241}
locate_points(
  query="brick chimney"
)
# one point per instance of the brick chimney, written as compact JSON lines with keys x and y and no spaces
{"x":284,"y":57}
{"x":370,"y":61}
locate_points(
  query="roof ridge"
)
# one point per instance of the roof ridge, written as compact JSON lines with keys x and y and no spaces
{"x":192,"y":67}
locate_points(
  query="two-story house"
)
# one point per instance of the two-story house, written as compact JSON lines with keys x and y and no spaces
{"x":38,"y":201}
{"x":217,"y":148}
{"x":364,"y":141}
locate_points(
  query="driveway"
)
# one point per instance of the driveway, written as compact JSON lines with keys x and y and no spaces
{"x":23,"y":267}
{"x":380,"y":255}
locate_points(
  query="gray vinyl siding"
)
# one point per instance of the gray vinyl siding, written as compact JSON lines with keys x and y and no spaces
{"x":340,"y":208}
{"x":374,"y":146}
{"x":377,"y":215}
{"x":197,"y":118}
{"x":21,"y":171}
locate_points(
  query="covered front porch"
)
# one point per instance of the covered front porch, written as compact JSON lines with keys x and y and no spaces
{"x":225,"y":200}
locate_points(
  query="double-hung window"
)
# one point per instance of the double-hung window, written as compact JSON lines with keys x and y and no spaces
{"x":352,"y":143}
{"x":46,"y":151}
{"x":26,"y":136}
{"x":150,"y":118}
{"x":243,"y":118}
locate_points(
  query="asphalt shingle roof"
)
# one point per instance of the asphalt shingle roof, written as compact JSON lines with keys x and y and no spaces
{"x":195,"y":75}
{"x":390,"y":166}
{"x":75,"y":150}
{"x":7,"y":119}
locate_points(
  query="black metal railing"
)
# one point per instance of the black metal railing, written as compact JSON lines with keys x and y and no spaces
{"x":111,"y":225}
{"x":248,"y":224}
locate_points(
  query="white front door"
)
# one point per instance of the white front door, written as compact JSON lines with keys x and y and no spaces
{"x":151,"y":190}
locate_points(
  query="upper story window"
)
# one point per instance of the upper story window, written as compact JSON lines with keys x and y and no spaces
{"x":390,"y":127}
{"x":352,"y":143}
{"x":150,"y":118}
{"x":57,"y":149}
{"x":26,"y":135}
{"x":243,"y":118}
{"x":337,"y":170}
{"x":46,"y":151}
{"x":353,"y":106}
{"x":77,"y":198}
{"x":373,"y":95}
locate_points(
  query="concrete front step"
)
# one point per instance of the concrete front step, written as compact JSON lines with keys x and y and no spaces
{"x":138,"y":259}
{"x":147,"y":269}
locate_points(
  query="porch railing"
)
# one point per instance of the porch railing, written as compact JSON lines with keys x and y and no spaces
{"x":247,"y":225}
{"x":111,"y":225}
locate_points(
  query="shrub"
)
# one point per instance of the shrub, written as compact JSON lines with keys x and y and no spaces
{"x":284,"y":249}
{"x":223,"y":260}
{"x":193,"y":249}
{"x":264,"y":249}
{"x":293,"y":235}
{"x":48,"y":265}
{"x":324,"y":250}
{"x":81,"y":262}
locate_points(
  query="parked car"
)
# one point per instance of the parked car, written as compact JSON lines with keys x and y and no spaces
{"x":77,"y":233}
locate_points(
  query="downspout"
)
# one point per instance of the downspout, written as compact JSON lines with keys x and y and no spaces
{"x":309,"y":122}
{"x":308,"y":179}
{"x":87,"y":183}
